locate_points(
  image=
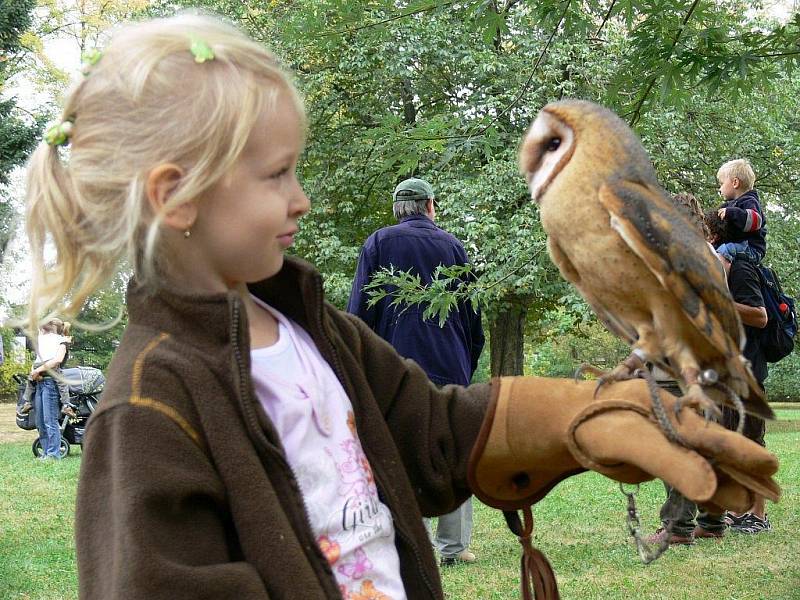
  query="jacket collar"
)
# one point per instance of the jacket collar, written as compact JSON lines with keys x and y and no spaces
{"x":296,"y":291}
{"x":419,"y":221}
{"x":748,"y":195}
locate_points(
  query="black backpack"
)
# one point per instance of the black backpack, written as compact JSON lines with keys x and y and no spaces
{"x":777,"y":338}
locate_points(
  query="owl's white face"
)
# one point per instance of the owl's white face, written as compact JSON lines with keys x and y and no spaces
{"x":547,"y":147}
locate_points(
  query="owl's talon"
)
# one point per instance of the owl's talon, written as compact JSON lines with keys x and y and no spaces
{"x":697,"y":400}
{"x":630,"y":368}
{"x":587,"y":368}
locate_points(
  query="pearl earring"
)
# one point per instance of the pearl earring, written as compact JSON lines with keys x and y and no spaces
{"x":187,"y":233}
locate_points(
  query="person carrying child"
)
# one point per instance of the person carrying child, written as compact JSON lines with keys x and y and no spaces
{"x":51,"y":353}
{"x":62,"y":329}
{"x":290,"y":452}
{"x":741,"y":211}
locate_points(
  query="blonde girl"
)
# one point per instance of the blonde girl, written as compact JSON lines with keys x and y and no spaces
{"x":252,"y":441}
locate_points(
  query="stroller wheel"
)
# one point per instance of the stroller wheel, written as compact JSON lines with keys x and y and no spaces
{"x":38,"y":451}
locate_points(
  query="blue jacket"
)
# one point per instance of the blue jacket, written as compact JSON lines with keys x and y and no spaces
{"x":448,"y":354}
{"x":746,"y":221}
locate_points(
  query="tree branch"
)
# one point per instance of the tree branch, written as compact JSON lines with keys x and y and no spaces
{"x":637,"y":112}
{"x":606,"y":18}
{"x":519,"y":95}
{"x":390,"y":19}
{"x":533,"y":72}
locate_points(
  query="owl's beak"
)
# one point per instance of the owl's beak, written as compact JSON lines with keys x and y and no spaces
{"x":537,"y":184}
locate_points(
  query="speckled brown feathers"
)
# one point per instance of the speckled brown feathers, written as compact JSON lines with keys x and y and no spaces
{"x":635,"y":257}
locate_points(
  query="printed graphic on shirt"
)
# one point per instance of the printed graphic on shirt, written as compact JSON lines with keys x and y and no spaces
{"x":330,"y":549}
{"x":367,"y":592}
{"x":358,"y":518}
{"x":361,"y":514}
{"x":356,"y":568}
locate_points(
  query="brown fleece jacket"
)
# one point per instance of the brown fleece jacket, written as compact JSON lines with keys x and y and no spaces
{"x":185,"y":490}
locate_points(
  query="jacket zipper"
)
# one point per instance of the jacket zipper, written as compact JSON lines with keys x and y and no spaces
{"x":338,"y":371}
{"x":313,"y":553}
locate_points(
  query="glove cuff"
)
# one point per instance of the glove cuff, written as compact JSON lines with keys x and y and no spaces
{"x":520,"y":454}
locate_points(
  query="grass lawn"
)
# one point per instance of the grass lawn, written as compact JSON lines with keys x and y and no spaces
{"x":580,"y":527}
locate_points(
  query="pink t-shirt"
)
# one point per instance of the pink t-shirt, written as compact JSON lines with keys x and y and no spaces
{"x":314,"y":418}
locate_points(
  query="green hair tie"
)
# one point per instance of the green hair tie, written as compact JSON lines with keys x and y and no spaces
{"x":90,"y":58}
{"x":201,"y":50}
{"x":58,"y":134}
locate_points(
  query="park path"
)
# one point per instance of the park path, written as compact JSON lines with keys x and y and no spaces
{"x":9,"y":432}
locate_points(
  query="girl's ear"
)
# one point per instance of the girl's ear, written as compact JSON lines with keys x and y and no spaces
{"x":161,"y":183}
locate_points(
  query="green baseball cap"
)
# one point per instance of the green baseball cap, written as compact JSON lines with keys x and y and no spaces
{"x":412,"y":189}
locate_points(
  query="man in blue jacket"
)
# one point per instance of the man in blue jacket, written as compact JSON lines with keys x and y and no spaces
{"x":448,"y":354}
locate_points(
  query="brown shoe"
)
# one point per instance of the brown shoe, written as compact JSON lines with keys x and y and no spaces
{"x":700,"y":532}
{"x":466,"y":556}
{"x":674,"y":538}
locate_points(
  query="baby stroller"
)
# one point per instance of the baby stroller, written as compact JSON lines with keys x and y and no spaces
{"x":85,"y":385}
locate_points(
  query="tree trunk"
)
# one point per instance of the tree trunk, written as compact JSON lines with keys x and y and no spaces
{"x":506,"y":339}
{"x":407,"y":97}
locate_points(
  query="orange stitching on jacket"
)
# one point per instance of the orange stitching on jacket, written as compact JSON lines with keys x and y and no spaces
{"x":137,"y":364}
{"x":137,"y":400}
{"x":172,"y":414}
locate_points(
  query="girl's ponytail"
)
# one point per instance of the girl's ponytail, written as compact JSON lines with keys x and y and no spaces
{"x":55,"y":220}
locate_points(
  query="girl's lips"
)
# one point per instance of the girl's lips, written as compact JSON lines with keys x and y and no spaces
{"x":286,"y":239}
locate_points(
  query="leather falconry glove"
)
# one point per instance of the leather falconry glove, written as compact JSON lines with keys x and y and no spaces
{"x":539,"y":431}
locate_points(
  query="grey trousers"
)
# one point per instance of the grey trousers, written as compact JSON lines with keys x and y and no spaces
{"x":684,"y":514}
{"x":677,"y":509}
{"x":454,"y":531}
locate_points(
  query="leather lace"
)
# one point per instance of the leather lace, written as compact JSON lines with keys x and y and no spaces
{"x":537,"y":579}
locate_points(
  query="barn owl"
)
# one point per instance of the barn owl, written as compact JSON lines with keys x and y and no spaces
{"x":644,"y":269}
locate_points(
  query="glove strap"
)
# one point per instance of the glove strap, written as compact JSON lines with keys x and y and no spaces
{"x":591,"y":411}
{"x":537,"y":580}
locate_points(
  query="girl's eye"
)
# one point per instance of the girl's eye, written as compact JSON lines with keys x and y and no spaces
{"x":553,"y":144}
{"x":279,"y":174}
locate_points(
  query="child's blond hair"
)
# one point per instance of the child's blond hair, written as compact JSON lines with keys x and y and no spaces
{"x":147,"y":101}
{"x":741,"y":169}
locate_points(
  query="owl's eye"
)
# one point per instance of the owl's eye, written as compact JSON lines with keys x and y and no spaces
{"x":553,"y":144}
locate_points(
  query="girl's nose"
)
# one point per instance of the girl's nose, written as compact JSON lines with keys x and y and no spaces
{"x":300,"y":203}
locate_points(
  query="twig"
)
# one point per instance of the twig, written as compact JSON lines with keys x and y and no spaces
{"x":390,"y":19}
{"x":606,"y":18}
{"x":530,"y":77}
{"x":519,"y":95}
{"x":509,"y":274}
{"x":637,"y":113}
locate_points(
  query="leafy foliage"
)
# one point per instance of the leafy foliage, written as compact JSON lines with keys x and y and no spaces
{"x":448,"y":287}
{"x":444,"y":90}
{"x":18,"y":134}
{"x":94,"y":347}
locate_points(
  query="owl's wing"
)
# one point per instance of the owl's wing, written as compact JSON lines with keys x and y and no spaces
{"x":679,"y":257}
